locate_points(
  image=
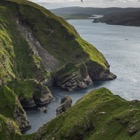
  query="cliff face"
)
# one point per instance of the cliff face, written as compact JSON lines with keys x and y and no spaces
{"x":39,"y":49}
{"x":10,"y":107}
{"x":48,"y":43}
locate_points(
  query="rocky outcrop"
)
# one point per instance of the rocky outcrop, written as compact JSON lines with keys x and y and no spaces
{"x":10,"y":107}
{"x":65,"y":104}
{"x":82,"y":76}
{"x":31,"y":93}
{"x":28,"y":103}
{"x":43,"y":109}
{"x":43,"y":98}
{"x":77,"y":78}
{"x":97,"y":72}
{"x":74,"y":82}
{"x":21,"y":118}
{"x":9,"y":130}
{"x":38,"y":99}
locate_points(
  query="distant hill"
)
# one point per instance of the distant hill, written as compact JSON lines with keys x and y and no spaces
{"x":112,"y":15}
{"x":69,"y":11}
{"x":129,"y":18}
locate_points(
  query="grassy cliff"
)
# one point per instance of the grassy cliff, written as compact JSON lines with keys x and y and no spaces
{"x":39,"y":49}
{"x":98,"y":115}
{"x":35,"y":43}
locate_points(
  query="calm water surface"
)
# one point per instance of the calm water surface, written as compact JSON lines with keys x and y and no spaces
{"x":121,"y":47}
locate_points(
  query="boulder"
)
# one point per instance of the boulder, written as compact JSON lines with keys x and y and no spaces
{"x":65,"y":104}
{"x":43,"y":109}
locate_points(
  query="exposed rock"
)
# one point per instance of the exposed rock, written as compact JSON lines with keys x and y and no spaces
{"x":43,"y":98}
{"x":9,"y":130}
{"x":49,"y":62}
{"x":132,"y":130}
{"x":28,"y":103}
{"x":77,"y":79}
{"x":43,"y":109}
{"x":21,"y":118}
{"x":10,"y":107}
{"x":75,"y":82}
{"x":97,"y":72}
{"x":65,"y":104}
{"x":48,"y":82}
{"x":31,"y":92}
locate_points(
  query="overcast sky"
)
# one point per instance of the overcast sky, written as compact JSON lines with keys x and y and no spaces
{"x":88,"y":3}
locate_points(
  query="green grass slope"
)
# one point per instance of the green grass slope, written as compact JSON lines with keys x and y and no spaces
{"x":98,"y":115}
{"x":17,"y":59}
{"x":56,"y":35}
{"x":8,"y":129}
{"x":10,"y":107}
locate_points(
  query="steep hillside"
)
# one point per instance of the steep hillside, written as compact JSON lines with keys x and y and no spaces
{"x":98,"y":115}
{"x":38,"y":50}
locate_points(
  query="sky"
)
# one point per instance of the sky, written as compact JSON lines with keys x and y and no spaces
{"x":50,"y":4}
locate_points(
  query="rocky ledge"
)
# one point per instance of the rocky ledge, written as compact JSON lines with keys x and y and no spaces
{"x":37,"y":95}
{"x":82,"y":76}
{"x":65,"y":104}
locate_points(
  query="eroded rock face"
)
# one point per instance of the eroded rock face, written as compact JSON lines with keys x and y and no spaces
{"x":43,"y":98}
{"x":132,"y":130}
{"x":21,"y":118}
{"x":10,"y":107}
{"x":65,"y":104}
{"x":75,"y":80}
{"x":28,"y":103}
{"x":9,"y":130}
{"x":97,"y":72}
{"x":31,"y":93}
